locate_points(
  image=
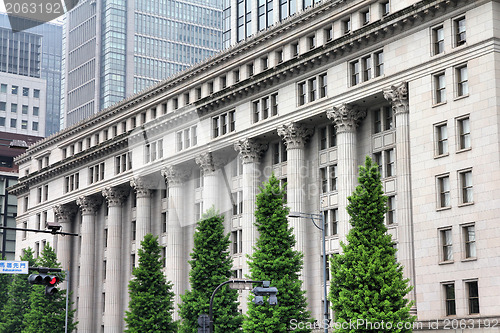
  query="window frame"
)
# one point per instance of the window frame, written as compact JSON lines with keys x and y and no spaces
{"x":223,"y":124}
{"x":438,"y":38}
{"x":461,"y":83}
{"x":469,"y":250}
{"x":471,"y":298}
{"x":458,"y":40}
{"x":462,"y":135}
{"x":466,"y":189}
{"x":442,"y":190}
{"x":449,"y":302}
{"x":439,"y":91}
{"x":312,"y":89}
{"x":446,"y":255}
{"x":441,"y":144}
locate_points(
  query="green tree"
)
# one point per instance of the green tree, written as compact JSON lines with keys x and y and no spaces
{"x":210,"y":266}
{"x":47,"y":313}
{"x":5,"y":282}
{"x":276,"y":261}
{"x":18,"y":301}
{"x":367,"y":282}
{"x":151,"y":297}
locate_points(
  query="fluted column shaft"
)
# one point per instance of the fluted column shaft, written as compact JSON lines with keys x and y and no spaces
{"x":346,"y":119}
{"x":175,"y":249}
{"x":398,"y":96}
{"x":86,"y":305}
{"x":250,"y":152}
{"x":113,"y":311}
{"x":64,"y":214}
{"x":210,"y":181}
{"x":143,"y":211}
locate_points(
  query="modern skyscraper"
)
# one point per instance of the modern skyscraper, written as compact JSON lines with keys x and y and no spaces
{"x":116,"y":49}
{"x":31,"y":60}
{"x":251,"y":16}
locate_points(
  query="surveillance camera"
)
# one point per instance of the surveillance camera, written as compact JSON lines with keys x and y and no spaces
{"x":53,"y":226}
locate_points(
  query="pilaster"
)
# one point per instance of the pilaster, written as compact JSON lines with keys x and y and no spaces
{"x":65,"y":214}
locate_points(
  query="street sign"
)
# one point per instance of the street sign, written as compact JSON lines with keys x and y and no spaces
{"x":13,"y":267}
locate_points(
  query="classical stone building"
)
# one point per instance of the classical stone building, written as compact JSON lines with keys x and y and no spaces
{"x":413,"y":84}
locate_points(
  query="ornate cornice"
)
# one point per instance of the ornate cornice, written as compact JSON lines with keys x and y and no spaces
{"x":142,"y":186}
{"x":88,"y":204}
{"x":295,"y":135}
{"x":115,"y":196}
{"x":250,"y":150}
{"x":174,"y":175}
{"x":346,"y":117}
{"x":398,"y":96}
{"x":65,"y":212}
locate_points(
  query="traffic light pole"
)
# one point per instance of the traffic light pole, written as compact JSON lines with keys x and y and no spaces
{"x":210,"y":310}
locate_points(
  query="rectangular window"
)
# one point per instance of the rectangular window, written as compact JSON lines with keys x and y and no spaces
{"x":34,"y":126}
{"x":331,"y":222}
{"x":379,"y":63}
{"x":328,"y":137}
{"x":464,"y":140}
{"x":441,"y":139}
{"x":322,"y":85}
{"x":302,"y":93}
{"x":346,"y":26}
{"x":36,"y":110}
{"x":365,"y":16}
{"x":391,"y":210}
{"x":36,"y":93}
{"x":309,"y":91}
{"x":313,"y":89}
{"x":236,"y":75}
{"x":388,"y":118}
{"x":96,"y":173}
{"x":390,"y":169}
{"x":223,"y":124}
{"x":465,"y":178}
{"x":439,"y":88}
{"x":2,"y":121}
{"x":444,"y":191}
{"x":311,"y":42}
{"x":446,"y":245}
{"x":469,"y":234}
{"x":24,"y":109}
{"x":462,"y":81}
{"x":24,"y":124}
{"x":153,"y":151}
{"x":14,"y":90}
{"x":377,"y":121}
{"x":355,"y":79}
{"x":279,"y":152}
{"x":449,"y":292}
{"x":438,"y":40}
{"x":328,"y":33}
{"x":133,"y":230}
{"x":237,"y":241}
{"x":473,"y":297}
{"x":385,"y":8}
{"x":26,"y":92}
{"x":3,"y":88}
{"x":237,"y":201}
{"x":459,"y":30}
{"x":367,"y":68}
{"x":265,"y":107}
{"x":3,"y":106}
{"x":71,"y":182}
{"x":123,"y":162}
{"x":13,"y":123}
{"x":264,"y":62}
{"x":295,"y":49}
{"x":13,"y":107}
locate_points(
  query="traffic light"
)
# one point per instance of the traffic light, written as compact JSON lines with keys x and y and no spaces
{"x":203,"y":324}
{"x":49,"y":281}
{"x":265,"y":290}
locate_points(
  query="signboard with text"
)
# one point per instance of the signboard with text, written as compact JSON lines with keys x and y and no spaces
{"x":13,"y":267}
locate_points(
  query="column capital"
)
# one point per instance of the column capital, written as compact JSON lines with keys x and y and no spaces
{"x":88,"y":204}
{"x":114,"y":195}
{"x":175,"y":175}
{"x":208,"y":162}
{"x":398,"y":96}
{"x":65,"y":212}
{"x":295,"y":135}
{"x":250,"y":150}
{"x":346,"y":117}
{"x":142,"y":186}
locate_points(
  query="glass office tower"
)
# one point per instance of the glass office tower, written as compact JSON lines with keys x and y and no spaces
{"x":115,"y":49}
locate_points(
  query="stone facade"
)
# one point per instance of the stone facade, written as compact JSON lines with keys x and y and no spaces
{"x":413,"y":87}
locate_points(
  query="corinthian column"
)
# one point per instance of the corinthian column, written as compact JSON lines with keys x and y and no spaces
{"x":143,"y":210}
{"x":398,"y":96}
{"x":113,"y":310}
{"x":88,"y":207}
{"x":346,"y":119}
{"x":210,"y":185}
{"x":176,"y":259}
{"x":64,"y":214}
{"x":295,"y":137}
{"x":250,"y":153}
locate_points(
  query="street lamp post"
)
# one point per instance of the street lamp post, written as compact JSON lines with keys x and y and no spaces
{"x":323,"y":230}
